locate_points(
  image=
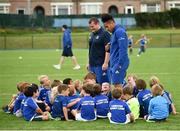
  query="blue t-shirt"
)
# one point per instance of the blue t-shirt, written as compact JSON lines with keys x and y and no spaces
{"x":71,"y":99}
{"x":97,"y":42}
{"x":57,"y":107}
{"x":43,"y":93}
{"x":144,"y":96}
{"x":86,"y":107}
{"x":29,"y":109}
{"x":118,"y":109}
{"x":22,"y":104}
{"x":130,"y":42}
{"x":48,"y":99}
{"x":166,"y":95}
{"x":102,"y":105}
{"x":17,"y":104}
{"x":143,"y":41}
{"x":158,"y":108}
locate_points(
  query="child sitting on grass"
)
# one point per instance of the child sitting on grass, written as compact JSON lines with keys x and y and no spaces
{"x":31,"y":111}
{"x":101,"y":102}
{"x":158,"y":106}
{"x":144,"y":96}
{"x":131,"y":100}
{"x":59,"y":107}
{"x":119,"y":110}
{"x":155,"y":80}
{"x":86,"y":108}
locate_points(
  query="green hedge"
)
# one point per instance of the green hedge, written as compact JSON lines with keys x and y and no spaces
{"x":159,"y":19}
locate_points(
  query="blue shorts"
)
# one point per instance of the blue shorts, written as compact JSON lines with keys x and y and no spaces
{"x":101,"y":75}
{"x":118,"y":73}
{"x":67,"y":52}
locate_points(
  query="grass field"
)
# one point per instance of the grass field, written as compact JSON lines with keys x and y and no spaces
{"x":162,"y":62}
{"x":160,"y":38}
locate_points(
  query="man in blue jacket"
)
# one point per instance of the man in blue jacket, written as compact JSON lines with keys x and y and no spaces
{"x":67,"y":49}
{"x":119,"y":60}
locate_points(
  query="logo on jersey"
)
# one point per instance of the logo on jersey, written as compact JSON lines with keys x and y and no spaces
{"x":97,"y":37}
{"x":117,"y":72}
{"x":121,"y":38}
{"x":104,"y":74}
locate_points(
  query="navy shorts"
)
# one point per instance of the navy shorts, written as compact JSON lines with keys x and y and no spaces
{"x":101,"y":75}
{"x":118,"y":73}
{"x":142,"y":48}
{"x":67,"y":52}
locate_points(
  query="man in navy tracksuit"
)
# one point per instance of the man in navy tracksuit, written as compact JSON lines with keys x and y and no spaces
{"x":67,"y":49}
{"x":98,"y":56}
{"x":119,"y":60}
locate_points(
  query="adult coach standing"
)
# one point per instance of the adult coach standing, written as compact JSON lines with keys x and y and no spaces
{"x":67,"y":49}
{"x":98,"y":56}
{"x":119,"y":60}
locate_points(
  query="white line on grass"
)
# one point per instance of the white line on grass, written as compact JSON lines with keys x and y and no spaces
{"x":74,"y":74}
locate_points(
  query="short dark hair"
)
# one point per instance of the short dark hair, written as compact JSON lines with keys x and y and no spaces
{"x":67,"y":81}
{"x":88,"y":88}
{"x":64,"y":26}
{"x":141,"y":84}
{"x":128,"y":89}
{"x":90,"y":75}
{"x":93,"y":19}
{"x":30,"y":90}
{"x":106,"y":17}
{"x":62,"y":87}
{"x":97,"y":89}
{"x":55,"y":83}
{"x":117,"y":93}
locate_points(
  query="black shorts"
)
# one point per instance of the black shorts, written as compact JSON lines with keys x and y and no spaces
{"x":67,"y":52}
{"x":142,"y":48}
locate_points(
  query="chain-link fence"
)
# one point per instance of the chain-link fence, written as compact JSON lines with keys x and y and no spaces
{"x":79,"y":41}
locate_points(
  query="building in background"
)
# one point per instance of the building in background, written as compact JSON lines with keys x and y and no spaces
{"x":73,"y":7}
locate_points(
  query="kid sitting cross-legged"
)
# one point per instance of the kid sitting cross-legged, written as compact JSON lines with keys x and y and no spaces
{"x":86,"y":108}
{"x":101,"y":102}
{"x":119,"y":110}
{"x":31,"y":110}
{"x":59,"y":107}
{"x":158,"y":106}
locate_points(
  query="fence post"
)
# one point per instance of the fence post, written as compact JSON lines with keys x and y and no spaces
{"x":32,"y":38}
{"x":5,"y":40}
{"x":87,"y":42}
{"x":170,"y":40}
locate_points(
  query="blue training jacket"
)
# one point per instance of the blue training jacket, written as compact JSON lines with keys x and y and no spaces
{"x":119,"y":47}
{"x":67,"y":42}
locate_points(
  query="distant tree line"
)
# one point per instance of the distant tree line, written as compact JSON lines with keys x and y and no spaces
{"x":159,"y":19}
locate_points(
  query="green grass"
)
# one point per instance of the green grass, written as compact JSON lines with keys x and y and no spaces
{"x":162,"y":62}
{"x":160,"y":38}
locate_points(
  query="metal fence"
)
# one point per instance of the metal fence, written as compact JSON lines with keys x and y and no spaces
{"x":79,"y":41}
{"x":28,"y":21}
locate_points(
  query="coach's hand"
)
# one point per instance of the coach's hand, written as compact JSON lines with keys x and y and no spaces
{"x":105,"y":66}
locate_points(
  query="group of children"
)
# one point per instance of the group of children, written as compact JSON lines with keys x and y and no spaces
{"x":88,"y":101}
{"x":142,"y":42}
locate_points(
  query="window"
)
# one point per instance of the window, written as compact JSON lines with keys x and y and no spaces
{"x":150,"y":8}
{"x":174,"y":4}
{"x":129,"y":10}
{"x":61,"y":8}
{"x":91,"y":8}
{"x":21,"y":11}
{"x":4,"y":8}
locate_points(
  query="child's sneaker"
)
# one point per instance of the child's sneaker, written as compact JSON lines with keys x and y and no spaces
{"x":77,"y":67}
{"x":58,"y":67}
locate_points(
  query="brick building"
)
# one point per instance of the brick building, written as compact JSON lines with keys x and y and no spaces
{"x":68,"y":7}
